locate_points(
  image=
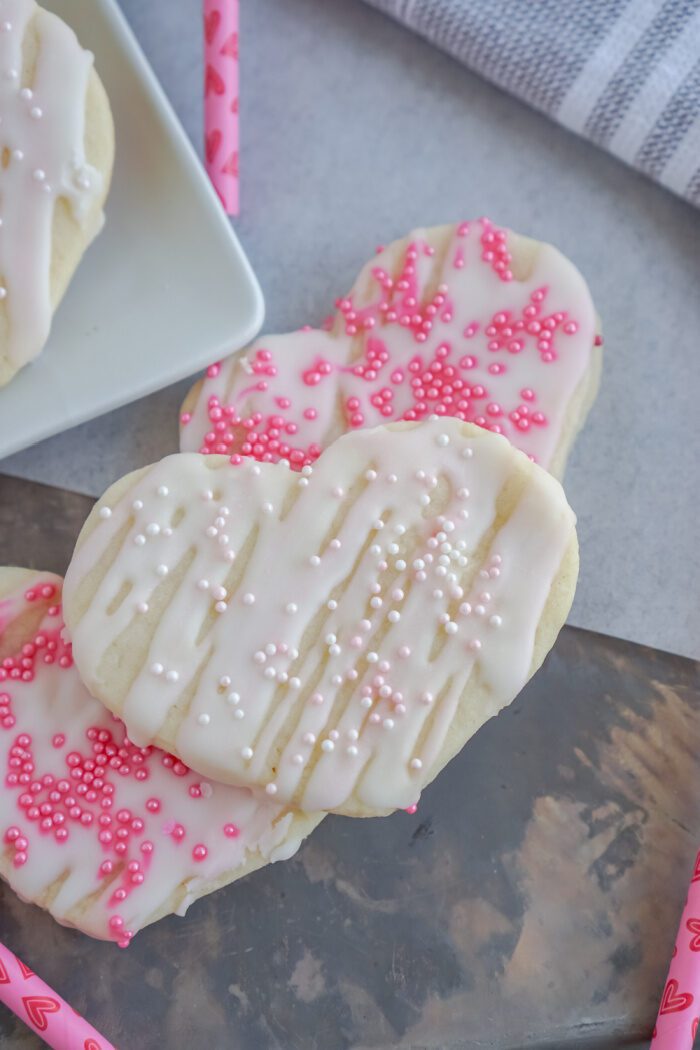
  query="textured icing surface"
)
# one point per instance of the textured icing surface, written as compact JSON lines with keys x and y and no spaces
{"x":42,"y":131}
{"x":321,"y":635}
{"x":111,"y":832}
{"x":437,"y":324}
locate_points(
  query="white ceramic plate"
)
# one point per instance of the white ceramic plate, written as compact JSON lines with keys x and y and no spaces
{"x":164,"y":290}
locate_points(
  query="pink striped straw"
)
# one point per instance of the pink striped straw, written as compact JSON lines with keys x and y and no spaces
{"x":679,"y":1010}
{"x":221,"y":99}
{"x":43,"y":1010}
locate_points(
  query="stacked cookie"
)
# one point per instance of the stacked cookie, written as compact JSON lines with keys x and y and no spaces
{"x":57,"y":141}
{"x":356,"y":560}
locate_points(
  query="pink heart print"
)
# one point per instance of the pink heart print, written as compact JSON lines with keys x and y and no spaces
{"x":221,"y":98}
{"x":437,"y":324}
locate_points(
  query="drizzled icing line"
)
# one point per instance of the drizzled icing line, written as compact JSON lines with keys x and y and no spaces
{"x":469,"y":321}
{"x":331,"y":638}
{"x":106,"y":835}
{"x":42,"y":136}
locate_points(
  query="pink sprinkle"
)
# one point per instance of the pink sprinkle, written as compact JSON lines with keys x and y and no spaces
{"x":200,"y":852}
{"x":231,"y":831}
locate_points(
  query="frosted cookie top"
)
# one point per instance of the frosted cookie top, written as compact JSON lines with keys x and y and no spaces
{"x":332,"y":638}
{"x":470,"y":321}
{"x":106,"y":835}
{"x":44,"y":75}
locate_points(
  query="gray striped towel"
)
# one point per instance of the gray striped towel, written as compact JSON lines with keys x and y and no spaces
{"x":623,"y":73}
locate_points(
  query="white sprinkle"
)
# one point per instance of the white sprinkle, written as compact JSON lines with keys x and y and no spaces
{"x":420,"y":475}
{"x":327,"y":746}
{"x":315,"y":561}
{"x":203,"y":585}
{"x":26,"y":93}
{"x":365,"y":625}
{"x":371,"y":475}
{"x":419,"y":563}
{"x":291,"y":608}
{"x":475,"y":644}
{"x":204,"y":719}
{"x":353,"y":734}
{"x":385,"y":692}
{"x":352,"y":751}
{"x":255,"y":469}
{"x":307,"y":471}
{"x":332,"y":605}
{"x":282,"y":677}
{"x":105,"y":512}
{"x":397,"y":594}
{"x":298,"y":760}
{"x":212,"y":531}
{"x":224,"y":681}
{"x":334,"y":734}
{"x":400,"y":530}
{"x":247,"y":752}
{"x":375,"y":549}
{"x":167,"y":531}
{"x":172,"y":676}
{"x":142,"y":607}
{"x":234,"y":698}
{"x":366,"y":702}
{"x":443,"y":440}
{"x":294,"y":683}
{"x":338,"y":492}
{"x":270,"y":672}
{"x":18,"y":154}
{"x":372,"y":658}
{"x":270,"y":649}
{"x":238,"y":713}
{"x":426,"y":698}
{"x":153,"y":528}
{"x":462,"y":493}
{"x":495,"y":621}
{"x":260,"y":657}
{"x":424,"y":499}
{"x":137,"y":504}
{"x":479,"y":610}
{"x":248,"y":599}
{"x":375,"y":719}
{"x":451,"y":627}
{"x":267,"y":508}
{"x":162,"y":570}
{"x":139,"y":539}
{"x":400,"y":564}
{"x":416,"y":763}
{"x":3,"y":291}
{"x":376,"y":602}
{"x":394,"y":616}
{"x":271,"y":789}
{"x":207,"y":494}
{"x":335,"y":545}
{"x":309,"y":738}
{"x":163,"y":490}
{"x":317,"y":699}
{"x":219,"y":592}
{"x":404,"y":651}
{"x":467,"y":453}
{"x":303,"y":482}
{"x":6,"y":27}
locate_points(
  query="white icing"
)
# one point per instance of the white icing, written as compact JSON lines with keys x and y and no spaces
{"x":322,"y":565}
{"x":54,"y":702}
{"x":42,"y":132}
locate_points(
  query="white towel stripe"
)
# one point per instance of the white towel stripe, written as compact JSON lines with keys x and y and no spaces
{"x":595,"y":76}
{"x":685,"y":161}
{"x":651,"y":101}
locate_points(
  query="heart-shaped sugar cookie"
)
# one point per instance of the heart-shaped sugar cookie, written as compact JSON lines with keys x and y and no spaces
{"x":332,"y":638}
{"x":57,"y":145}
{"x":106,"y":836}
{"x":468,"y":321}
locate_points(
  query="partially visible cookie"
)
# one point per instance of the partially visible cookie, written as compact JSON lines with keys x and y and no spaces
{"x":332,"y":638}
{"x":106,"y":836}
{"x":469,"y":320}
{"x":57,"y":150}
